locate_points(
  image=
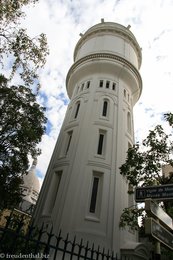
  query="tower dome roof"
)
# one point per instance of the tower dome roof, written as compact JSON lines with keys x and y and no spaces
{"x":106,"y":28}
{"x":30,"y":179}
{"x":107,"y":47}
{"x":31,"y":182}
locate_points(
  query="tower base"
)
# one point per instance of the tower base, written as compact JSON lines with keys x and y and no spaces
{"x":136,"y":251}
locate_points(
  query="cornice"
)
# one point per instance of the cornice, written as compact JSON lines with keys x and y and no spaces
{"x":99,"y":164}
{"x":109,"y":56}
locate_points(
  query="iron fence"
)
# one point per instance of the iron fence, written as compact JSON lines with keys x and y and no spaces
{"x":33,"y":243}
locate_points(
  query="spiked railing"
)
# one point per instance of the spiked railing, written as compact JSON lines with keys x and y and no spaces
{"x":39,"y":243}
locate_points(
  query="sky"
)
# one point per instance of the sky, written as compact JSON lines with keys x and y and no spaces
{"x":63,"y":20}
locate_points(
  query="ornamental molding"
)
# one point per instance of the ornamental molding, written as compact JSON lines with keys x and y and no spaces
{"x":96,"y":56}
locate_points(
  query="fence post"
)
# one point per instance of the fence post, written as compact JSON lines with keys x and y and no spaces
{"x":97,"y":253}
{"x":86,"y":251}
{"x":49,"y":243}
{"x":28,"y":237}
{"x":72,"y":248}
{"x":47,"y":247}
{"x":108,"y":255}
{"x":103,"y":254}
{"x":65,"y":246}
{"x":40,"y":233}
{"x":58,"y":239}
{"x":80,"y":249}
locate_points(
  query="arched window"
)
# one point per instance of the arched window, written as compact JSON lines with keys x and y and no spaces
{"x":129,"y":123}
{"x":105,"y":108}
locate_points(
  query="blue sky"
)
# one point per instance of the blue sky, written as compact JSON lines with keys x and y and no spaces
{"x":63,"y":20}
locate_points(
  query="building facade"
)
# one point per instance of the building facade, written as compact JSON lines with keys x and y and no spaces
{"x":83,"y":192}
{"x":30,"y":189}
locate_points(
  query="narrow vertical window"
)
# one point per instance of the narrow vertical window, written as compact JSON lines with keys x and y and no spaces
{"x":101,"y":84}
{"x":124,"y":93}
{"x":113,"y":86}
{"x":105,"y":108}
{"x":129,"y":125}
{"x":100,"y":144}
{"x":58,"y":180}
{"x":68,"y":141}
{"x":52,"y":195}
{"x":88,"y":84}
{"x":107,"y":84}
{"x":77,"y":110}
{"x":94,"y":195}
{"x":82,"y":87}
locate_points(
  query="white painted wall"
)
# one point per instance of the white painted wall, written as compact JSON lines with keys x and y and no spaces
{"x":72,"y":196}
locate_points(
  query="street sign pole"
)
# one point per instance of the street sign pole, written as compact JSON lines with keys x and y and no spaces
{"x":157,"y":251}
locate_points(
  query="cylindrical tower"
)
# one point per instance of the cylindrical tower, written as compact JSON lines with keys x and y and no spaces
{"x":83,"y":192}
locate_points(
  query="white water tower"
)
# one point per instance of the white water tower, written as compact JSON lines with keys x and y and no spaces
{"x":83,"y":192}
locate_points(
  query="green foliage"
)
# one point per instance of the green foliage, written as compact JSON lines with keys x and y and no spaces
{"x":143,"y":167}
{"x":167,"y":253}
{"x":169,"y":118}
{"x":21,"y":128}
{"x":130,"y":217}
{"x":26,"y":54}
{"x":11,"y":10}
{"x":143,"y":164}
{"x":22,"y":119}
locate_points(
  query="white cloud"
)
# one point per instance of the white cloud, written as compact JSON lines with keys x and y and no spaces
{"x":62,"y":21}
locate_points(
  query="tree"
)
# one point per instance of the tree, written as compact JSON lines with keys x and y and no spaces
{"x":143,"y":167}
{"x":21,"y":128}
{"x":22,"y":119}
{"x":26,"y":55}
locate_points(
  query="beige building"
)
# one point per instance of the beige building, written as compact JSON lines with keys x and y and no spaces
{"x":167,"y":170}
{"x":30,"y":189}
{"x":83,"y":193}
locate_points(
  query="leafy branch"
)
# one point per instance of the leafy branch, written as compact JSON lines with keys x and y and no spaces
{"x":130,"y":216}
{"x":143,"y":167}
{"x":27,"y":55}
